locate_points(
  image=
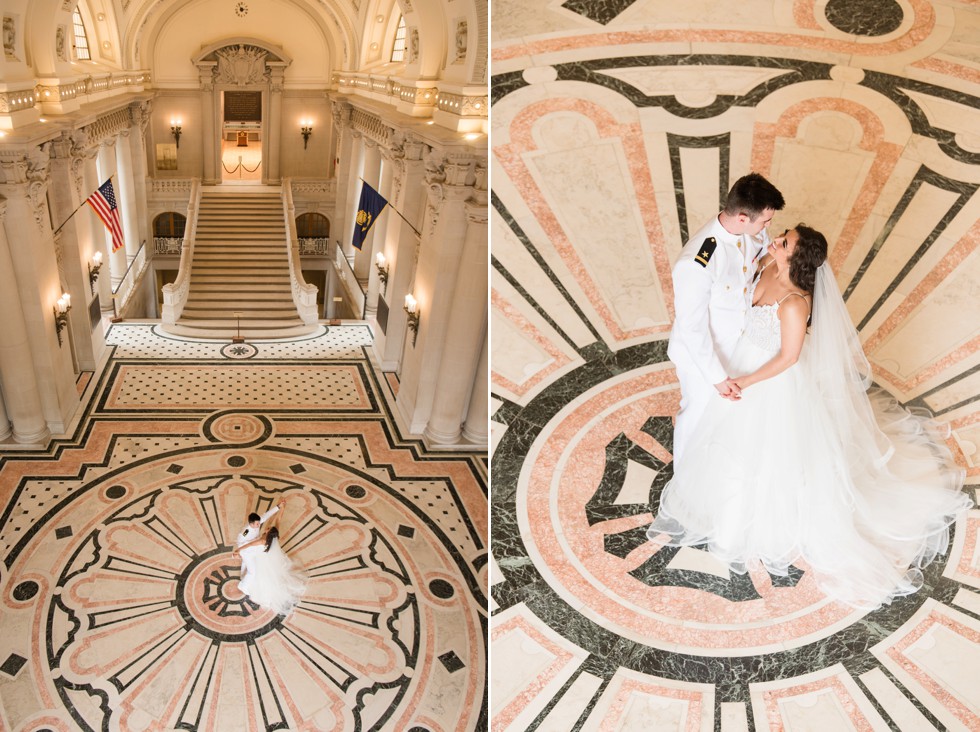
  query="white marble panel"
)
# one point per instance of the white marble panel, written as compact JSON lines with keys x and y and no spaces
{"x":947,"y":114}
{"x":968,"y":438}
{"x":903,"y":712}
{"x":965,"y":569}
{"x":524,"y":357}
{"x":936,"y":327}
{"x":637,"y":702}
{"x":497,"y":432}
{"x":955,"y":393}
{"x":734,"y":717}
{"x":696,"y":560}
{"x":952,"y":660}
{"x":828,"y":699}
{"x":938,"y":656}
{"x":914,"y":226}
{"x":749,"y":14}
{"x":516,"y":259}
{"x":636,"y":484}
{"x":816,"y":194}
{"x":590,"y":192}
{"x":967,"y":600}
{"x":573,"y":702}
{"x":699,"y":174}
{"x":513,"y":19}
{"x":538,"y":663}
{"x":671,"y":80}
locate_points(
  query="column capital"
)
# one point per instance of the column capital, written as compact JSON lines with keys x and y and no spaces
{"x":341,"y":111}
{"x":477,"y":213}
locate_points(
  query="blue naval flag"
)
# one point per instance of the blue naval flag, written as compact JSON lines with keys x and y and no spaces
{"x":368,"y":209}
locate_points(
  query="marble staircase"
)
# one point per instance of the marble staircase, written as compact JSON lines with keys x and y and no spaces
{"x":240,"y":266}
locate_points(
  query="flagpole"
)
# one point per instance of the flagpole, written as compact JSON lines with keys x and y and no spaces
{"x":388,"y":204}
{"x":78,"y":207}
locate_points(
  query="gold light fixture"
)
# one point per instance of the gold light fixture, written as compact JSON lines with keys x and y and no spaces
{"x":61,"y":310}
{"x":306,"y":129}
{"x":175,"y":129}
{"x":412,"y":308}
{"x":382,"y":265}
{"x":93,"y":270}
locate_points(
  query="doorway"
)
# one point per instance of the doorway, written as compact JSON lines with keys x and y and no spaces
{"x":241,"y":137}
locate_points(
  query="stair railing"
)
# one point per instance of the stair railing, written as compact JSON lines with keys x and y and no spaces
{"x":304,"y":294}
{"x":175,"y":294}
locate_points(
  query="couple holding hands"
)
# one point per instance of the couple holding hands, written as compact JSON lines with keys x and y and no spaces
{"x":783,"y":452}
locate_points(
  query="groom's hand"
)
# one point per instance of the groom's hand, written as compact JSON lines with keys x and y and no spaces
{"x":729,"y":390}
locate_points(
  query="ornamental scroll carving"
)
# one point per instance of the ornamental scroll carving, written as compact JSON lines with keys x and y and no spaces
{"x":241,"y":65}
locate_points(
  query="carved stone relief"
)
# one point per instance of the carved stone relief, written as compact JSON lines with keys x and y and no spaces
{"x":461,"y":39}
{"x":241,"y":65}
{"x":413,"y":46}
{"x":9,"y":38}
{"x":60,"y":48}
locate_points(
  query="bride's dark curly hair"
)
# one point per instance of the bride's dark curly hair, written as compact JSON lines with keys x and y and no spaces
{"x":271,"y":534}
{"x":810,"y":253}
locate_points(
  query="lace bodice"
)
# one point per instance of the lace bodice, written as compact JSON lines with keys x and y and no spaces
{"x":762,"y":326}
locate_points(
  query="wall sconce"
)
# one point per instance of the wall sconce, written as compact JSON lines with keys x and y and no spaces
{"x":306,"y":129}
{"x":412,"y":308}
{"x":93,"y":270}
{"x":382,"y":264}
{"x":61,"y":310}
{"x":175,"y":129}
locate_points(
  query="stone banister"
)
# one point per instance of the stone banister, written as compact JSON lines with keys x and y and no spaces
{"x":175,"y":294}
{"x":304,"y":294}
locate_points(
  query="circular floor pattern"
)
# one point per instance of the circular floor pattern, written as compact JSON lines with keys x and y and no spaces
{"x":143,"y":588}
{"x":579,"y":474}
{"x":239,"y":351}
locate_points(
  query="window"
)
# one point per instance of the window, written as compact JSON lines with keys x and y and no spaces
{"x":398,"y":48}
{"x":169,"y":225}
{"x":81,"y":40}
{"x":312,"y":226}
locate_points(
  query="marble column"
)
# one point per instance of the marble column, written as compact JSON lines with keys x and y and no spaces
{"x":341,"y":120}
{"x":20,"y":393}
{"x":450,"y":185}
{"x":353,"y":193}
{"x":273,"y":149}
{"x":137,"y":153}
{"x":86,"y":176}
{"x":379,"y":232}
{"x":117,"y":264}
{"x":126,"y":199}
{"x":35,"y":261}
{"x":6,"y":430}
{"x":209,"y":127}
{"x":364,"y":258}
{"x":401,"y":249}
{"x":476,"y":427}
{"x":464,"y":335}
{"x":77,"y":241}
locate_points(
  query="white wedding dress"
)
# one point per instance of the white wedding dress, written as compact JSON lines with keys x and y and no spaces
{"x":809,"y":466}
{"x":271,"y":579}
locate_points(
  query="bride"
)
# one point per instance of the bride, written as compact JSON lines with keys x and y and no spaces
{"x":807,"y":465}
{"x":270,"y":579}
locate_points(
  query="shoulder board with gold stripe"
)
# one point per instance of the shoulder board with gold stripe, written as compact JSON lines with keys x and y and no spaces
{"x":707,"y":249}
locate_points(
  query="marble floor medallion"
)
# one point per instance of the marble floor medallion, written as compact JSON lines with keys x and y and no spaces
{"x":120,"y":592}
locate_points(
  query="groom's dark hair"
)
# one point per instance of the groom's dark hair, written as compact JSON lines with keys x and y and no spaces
{"x":752,"y":194}
{"x":253,"y":517}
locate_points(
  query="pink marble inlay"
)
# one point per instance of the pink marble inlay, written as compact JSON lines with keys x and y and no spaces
{"x":772,"y":698}
{"x":922,"y":27}
{"x":966,"y":566}
{"x":897,"y":653}
{"x":558,"y":359}
{"x":556,"y":498}
{"x":626,"y":690}
{"x":872,"y":139}
{"x":631,"y":137}
{"x":521,"y":701}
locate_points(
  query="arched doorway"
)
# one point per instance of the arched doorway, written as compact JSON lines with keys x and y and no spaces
{"x":241,"y":85}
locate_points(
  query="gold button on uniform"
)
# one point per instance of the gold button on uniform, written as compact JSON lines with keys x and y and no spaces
{"x":740,"y":245}
{"x":745,"y":269}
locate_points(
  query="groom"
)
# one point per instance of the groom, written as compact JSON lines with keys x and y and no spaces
{"x":711,"y":296}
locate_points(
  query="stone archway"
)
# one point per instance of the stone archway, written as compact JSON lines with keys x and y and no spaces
{"x":241,"y":65}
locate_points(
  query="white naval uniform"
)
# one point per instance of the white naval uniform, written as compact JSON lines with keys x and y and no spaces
{"x":247,"y":535}
{"x":710,"y":304}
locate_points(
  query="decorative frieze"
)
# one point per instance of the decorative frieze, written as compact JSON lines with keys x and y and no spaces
{"x":14,"y":101}
{"x":66,"y":91}
{"x":170,"y":186}
{"x":462,"y":105}
{"x":325,"y":187}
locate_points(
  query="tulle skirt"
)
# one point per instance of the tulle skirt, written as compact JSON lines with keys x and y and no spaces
{"x":272,"y":580}
{"x":770,"y":480}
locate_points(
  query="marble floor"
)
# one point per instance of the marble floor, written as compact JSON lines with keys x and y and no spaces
{"x":120,"y":607}
{"x":618,"y":128}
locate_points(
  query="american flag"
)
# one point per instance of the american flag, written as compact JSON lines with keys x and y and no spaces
{"x":103,"y":202}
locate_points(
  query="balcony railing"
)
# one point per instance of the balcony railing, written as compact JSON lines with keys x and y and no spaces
{"x":167,"y":244}
{"x":314,"y":246}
